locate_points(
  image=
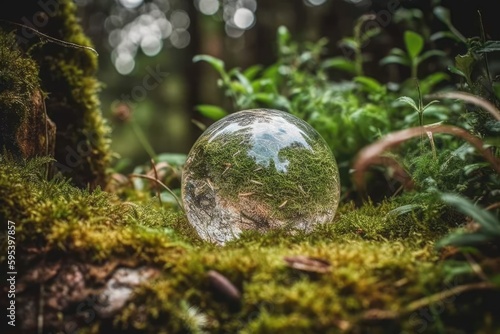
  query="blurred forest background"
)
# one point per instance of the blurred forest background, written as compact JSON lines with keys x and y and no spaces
{"x":151,"y":86}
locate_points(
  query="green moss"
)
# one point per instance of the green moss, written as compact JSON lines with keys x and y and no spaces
{"x":90,"y":225}
{"x":18,"y":82}
{"x":69,"y":76}
{"x":365,"y":275}
{"x":375,"y":271}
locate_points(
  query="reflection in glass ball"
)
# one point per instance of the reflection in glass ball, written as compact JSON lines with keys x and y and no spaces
{"x":259,"y":169}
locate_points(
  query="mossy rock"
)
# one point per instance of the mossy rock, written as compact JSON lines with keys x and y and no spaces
{"x":65,"y":75}
{"x":89,"y":262}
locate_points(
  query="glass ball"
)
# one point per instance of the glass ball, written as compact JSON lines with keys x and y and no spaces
{"x":259,"y":169}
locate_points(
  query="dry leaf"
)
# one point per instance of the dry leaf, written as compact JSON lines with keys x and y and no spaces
{"x":309,"y":264}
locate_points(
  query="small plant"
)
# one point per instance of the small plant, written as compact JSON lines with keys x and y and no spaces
{"x":355,"y":43}
{"x":349,"y":115}
{"x":352,"y":114}
{"x":420,"y":108}
{"x":488,"y":229}
{"x":413,"y":56}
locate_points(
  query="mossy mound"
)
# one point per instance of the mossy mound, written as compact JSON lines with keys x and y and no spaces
{"x":366,"y":273}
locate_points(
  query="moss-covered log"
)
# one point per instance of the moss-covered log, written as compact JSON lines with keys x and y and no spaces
{"x":87,"y":261}
{"x":25,"y":129}
{"x":66,"y":77}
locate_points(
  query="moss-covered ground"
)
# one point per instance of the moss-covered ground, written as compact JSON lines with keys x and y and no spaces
{"x":367,"y":272}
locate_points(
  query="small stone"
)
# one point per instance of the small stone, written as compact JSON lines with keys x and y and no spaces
{"x":259,"y":169}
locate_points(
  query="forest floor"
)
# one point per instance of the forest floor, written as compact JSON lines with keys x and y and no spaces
{"x":92,"y":261}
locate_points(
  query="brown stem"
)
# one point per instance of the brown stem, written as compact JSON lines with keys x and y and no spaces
{"x":371,"y":153}
{"x":469,"y":98}
{"x":418,"y":304}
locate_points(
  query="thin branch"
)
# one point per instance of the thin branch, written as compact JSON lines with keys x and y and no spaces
{"x":476,"y":267}
{"x":469,"y":98}
{"x":179,"y":202}
{"x":52,"y":39}
{"x":371,"y":153}
{"x":156,"y":177}
{"x":418,"y":304}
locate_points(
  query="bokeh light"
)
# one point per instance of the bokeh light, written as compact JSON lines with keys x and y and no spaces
{"x":148,"y":27}
{"x":151,"y":45}
{"x":243,"y":18}
{"x":124,"y":63}
{"x":207,"y":7}
{"x":131,"y":3}
{"x":147,"y":31}
{"x":180,"y":38}
{"x":314,"y":2}
{"x":180,"y":19}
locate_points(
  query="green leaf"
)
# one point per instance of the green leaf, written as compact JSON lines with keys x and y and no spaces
{"x":456,"y":71}
{"x":349,"y":42}
{"x":251,"y":72}
{"x":370,"y":33}
{"x":266,"y":98}
{"x":461,"y":239}
{"x":283,"y":36}
{"x":444,"y":34}
{"x":431,"y":53}
{"x":245,"y":82}
{"x":393,"y":59}
{"x":122,"y":164}
{"x":370,"y":84}
{"x":496,"y":89}
{"x":486,"y":219}
{"x":427,"y":84}
{"x":282,"y":102}
{"x":213,"y":112}
{"x":443,"y":14}
{"x":339,"y":63}
{"x":430,"y":104}
{"x":272,"y":73}
{"x":489,"y":46}
{"x":469,"y":169}
{"x":409,"y":101}
{"x":174,"y":159}
{"x":465,"y":63}
{"x":404,"y":209}
{"x":496,"y":280}
{"x":414,"y":43}
{"x":169,"y":198}
{"x":398,"y":52}
{"x":263,"y":85}
{"x":215,"y":62}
